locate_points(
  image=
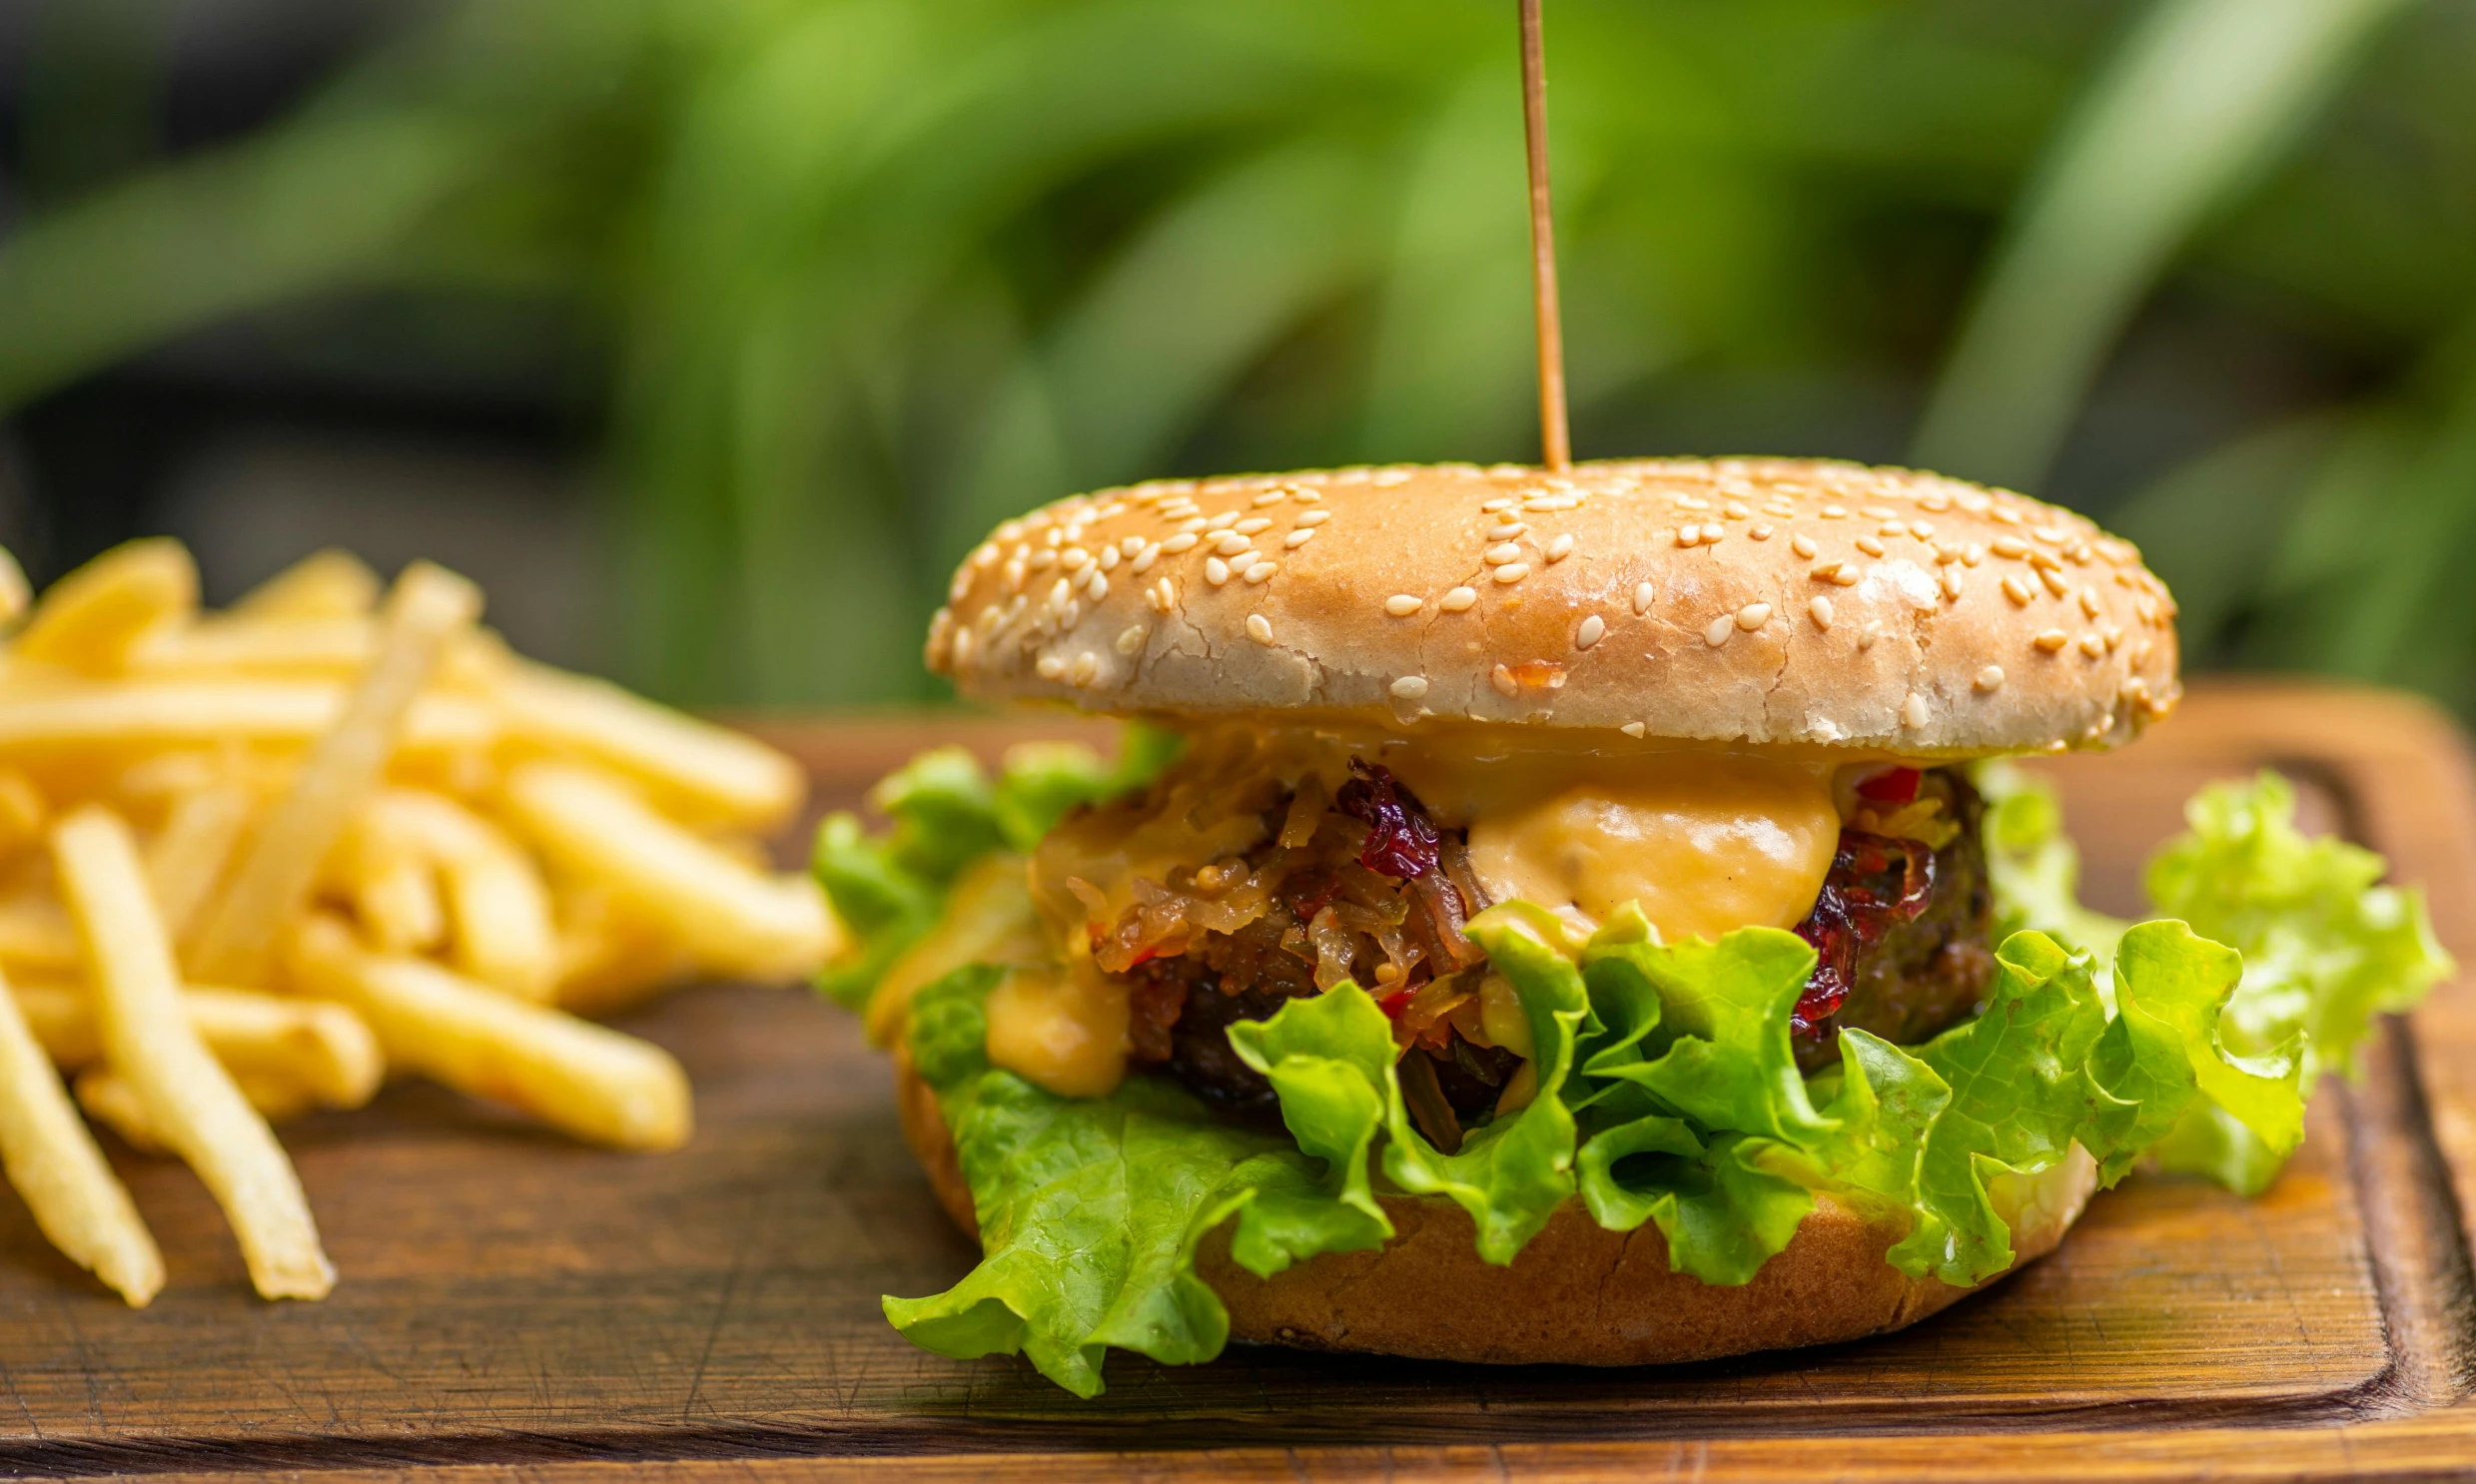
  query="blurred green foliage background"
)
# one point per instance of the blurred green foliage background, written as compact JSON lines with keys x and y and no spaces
{"x":858,"y":278}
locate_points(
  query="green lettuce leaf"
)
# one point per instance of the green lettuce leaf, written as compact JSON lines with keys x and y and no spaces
{"x":1513,"y":1173}
{"x":1091,"y":1209}
{"x":947,"y":811}
{"x":2033,"y":867}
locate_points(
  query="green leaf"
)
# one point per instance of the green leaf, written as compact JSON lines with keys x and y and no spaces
{"x":2162,"y":1048}
{"x":1723,"y":1218}
{"x":1512,"y":1173}
{"x":2033,"y":865}
{"x":2020,"y":1095}
{"x":2326,"y":948}
{"x":1330,"y":1058}
{"x":1728,"y":1063}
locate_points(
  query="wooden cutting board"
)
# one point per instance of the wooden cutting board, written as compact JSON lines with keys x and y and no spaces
{"x":514,"y":1305}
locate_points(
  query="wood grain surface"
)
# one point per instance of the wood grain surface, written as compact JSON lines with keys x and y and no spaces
{"x":513,"y":1306}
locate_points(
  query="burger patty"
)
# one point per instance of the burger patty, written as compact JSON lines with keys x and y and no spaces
{"x":1900,"y":932}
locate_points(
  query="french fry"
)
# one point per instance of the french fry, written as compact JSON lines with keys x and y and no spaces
{"x":189,"y":1099}
{"x":392,"y":887}
{"x":504,"y":934}
{"x":89,"y":619}
{"x":611,"y":957}
{"x":15,"y":595}
{"x":317,"y":1048}
{"x":144,"y":715}
{"x":81,"y":1206}
{"x":22,"y":813}
{"x":36,"y":935}
{"x":731,"y":917}
{"x":189,"y":855}
{"x":427,"y":606}
{"x":708,"y":770}
{"x":594,"y":1082}
{"x":325,"y":585}
{"x":325,"y":648}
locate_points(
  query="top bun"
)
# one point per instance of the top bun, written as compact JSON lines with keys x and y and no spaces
{"x":1771,"y":601}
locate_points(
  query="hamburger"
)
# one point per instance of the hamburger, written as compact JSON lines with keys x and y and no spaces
{"x":1556,"y":917}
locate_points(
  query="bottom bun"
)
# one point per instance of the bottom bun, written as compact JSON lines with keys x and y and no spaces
{"x":1577,"y":1294}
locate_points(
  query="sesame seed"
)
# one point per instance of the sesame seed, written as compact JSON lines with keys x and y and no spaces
{"x":1269,"y":498}
{"x":1099,"y":587}
{"x":1752,"y":616}
{"x":1458,"y":599}
{"x":1951,"y":584}
{"x":1590,"y":631}
{"x":1145,"y":558}
{"x":1803,"y":546}
{"x":2092,"y":645}
{"x":1913,"y":712}
{"x":1497,"y":556}
{"x":1252,"y":525}
{"x":1560,"y":549}
{"x":1165,"y":596}
{"x":1310,"y":497}
{"x":2053,"y":580}
{"x":1059,"y":593}
{"x":2088,"y":602}
{"x":1497,"y":506}
{"x":1230,"y":545}
{"x":2147,"y":607}
{"x":2016,"y":590}
{"x":1130,"y":638}
{"x":1109,"y":559}
{"x":1867,"y":638}
{"x":1973,"y":553}
{"x":1922,"y":530}
{"x":1050,"y":667}
{"x":1221,"y":521}
{"x":1818,"y":608}
{"x":1691,"y":502}
{"x":2011,"y":546}
{"x":1717,"y":631}
{"x":1737,"y":511}
{"x":1759,"y":533}
{"x":1513,"y":571}
{"x":1633,"y":729}
{"x":1130,"y":546}
{"x":1834,"y":512}
{"x":1261,"y":572}
{"x":1689,"y":535}
{"x":1387,"y":478}
{"x":1828,"y":571}
{"x":1410,"y":687}
{"x":1215,"y":571}
{"x":1072,"y":615}
{"x":1298,"y":538}
{"x":1870,"y":546}
{"x":1194,"y":525}
{"x":1402,"y":604}
{"x":1313,"y":517}
{"x":1878,"y":512}
{"x":1086,"y":666}
{"x":2053,"y":535}
{"x":1183,"y":541}
{"x":1643,"y":592}
{"x":1260,"y":628}
{"x":1502,"y":679}
{"x":1044,"y":559}
{"x":2004,"y":514}
{"x":2052,"y":640}
{"x":1891,"y":530}
{"x":1990,"y":678}
{"x":1507,"y":532}
{"x":2141,"y":652}
{"x":2113,"y":633}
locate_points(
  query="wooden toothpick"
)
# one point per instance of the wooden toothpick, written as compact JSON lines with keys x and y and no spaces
{"x":1554,"y":440}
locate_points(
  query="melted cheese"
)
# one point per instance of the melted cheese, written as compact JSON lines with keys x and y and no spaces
{"x":1704,"y":842}
{"x":1061,"y":1027}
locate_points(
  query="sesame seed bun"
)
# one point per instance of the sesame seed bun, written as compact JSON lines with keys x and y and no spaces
{"x":1578,"y":1293}
{"x":1750,"y":600}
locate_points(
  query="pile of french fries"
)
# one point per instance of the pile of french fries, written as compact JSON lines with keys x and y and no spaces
{"x":253,"y":861}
